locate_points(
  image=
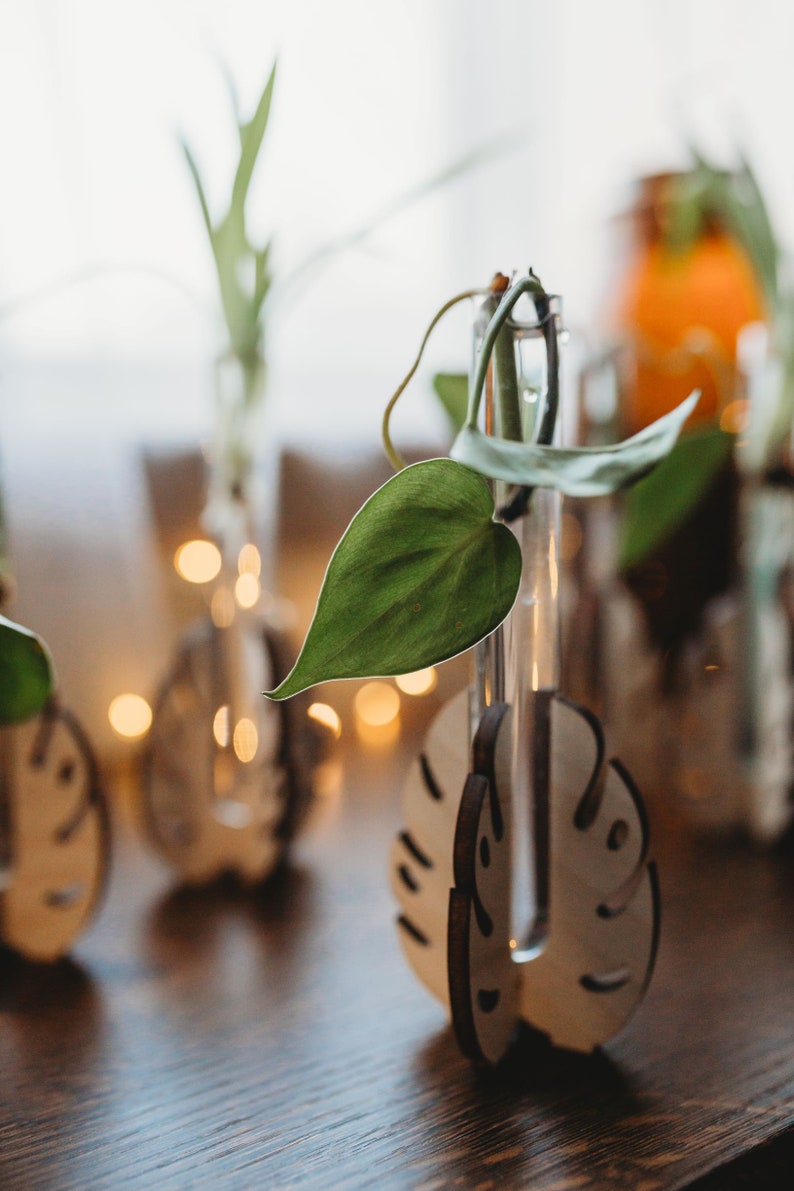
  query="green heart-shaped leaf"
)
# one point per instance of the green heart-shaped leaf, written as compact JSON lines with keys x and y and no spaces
{"x":421,"y":573}
{"x":577,"y":471}
{"x":25,"y":673}
{"x":452,"y":390}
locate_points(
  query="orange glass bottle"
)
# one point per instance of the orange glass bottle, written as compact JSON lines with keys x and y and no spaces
{"x":682,"y":311}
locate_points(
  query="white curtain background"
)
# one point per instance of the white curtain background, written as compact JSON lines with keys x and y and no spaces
{"x":108,"y":321}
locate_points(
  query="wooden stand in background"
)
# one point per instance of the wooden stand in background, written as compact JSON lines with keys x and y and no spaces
{"x":54,"y":835}
{"x":222,"y":798}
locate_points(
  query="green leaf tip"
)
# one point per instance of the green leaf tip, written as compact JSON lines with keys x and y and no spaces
{"x":576,"y":471}
{"x":421,"y":573}
{"x":26,"y":678}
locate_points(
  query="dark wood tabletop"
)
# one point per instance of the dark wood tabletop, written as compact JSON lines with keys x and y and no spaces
{"x":275,"y":1038}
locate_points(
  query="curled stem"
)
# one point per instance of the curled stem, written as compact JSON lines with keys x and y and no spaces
{"x":394,"y":456}
{"x":524,"y":285}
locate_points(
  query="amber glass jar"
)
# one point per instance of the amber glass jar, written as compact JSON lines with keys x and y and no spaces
{"x":678,"y":312}
{"x":681,"y":310}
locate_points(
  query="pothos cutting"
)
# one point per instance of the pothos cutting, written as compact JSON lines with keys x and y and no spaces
{"x":428,"y":566}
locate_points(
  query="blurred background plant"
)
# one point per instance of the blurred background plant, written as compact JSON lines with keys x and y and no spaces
{"x":243,"y":282}
{"x":701,"y":290}
{"x":735,"y":199}
{"x":247,"y":288}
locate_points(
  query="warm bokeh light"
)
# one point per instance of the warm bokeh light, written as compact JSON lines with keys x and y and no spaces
{"x":696,"y":782}
{"x":376,"y":704}
{"x":324,"y":714}
{"x":735,"y":417}
{"x":198,"y":561}
{"x":249,"y":561}
{"x":327,"y":782}
{"x":420,"y":682}
{"x":222,"y":608}
{"x":220,"y":726}
{"x":378,"y":737}
{"x":247,"y":590}
{"x":130,"y":716}
{"x":246,"y":740}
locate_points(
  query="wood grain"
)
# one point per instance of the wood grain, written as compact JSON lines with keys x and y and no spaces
{"x":276,"y":1038}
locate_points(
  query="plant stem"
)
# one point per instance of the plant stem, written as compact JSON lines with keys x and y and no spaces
{"x":519,"y":502}
{"x":524,"y":285}
{"x":506,"y":383}
{"x":549,"y":329}
{"x":394,"y":456}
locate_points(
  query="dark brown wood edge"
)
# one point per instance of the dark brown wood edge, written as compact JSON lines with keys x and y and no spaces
{"x":458,"y":929}
{"x":484,"y":758}
{"x":588,"y":806}
{"x":463,"y":898}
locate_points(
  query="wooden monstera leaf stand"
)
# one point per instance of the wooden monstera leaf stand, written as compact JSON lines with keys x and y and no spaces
{"x":54,"y":834}
{"x":452,"y":873}
{"x":214,"y":802}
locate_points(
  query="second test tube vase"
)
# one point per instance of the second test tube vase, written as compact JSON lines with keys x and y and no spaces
{"x":227,"y":774}
{"x":226,"y":778}
{"x":733,"y":710}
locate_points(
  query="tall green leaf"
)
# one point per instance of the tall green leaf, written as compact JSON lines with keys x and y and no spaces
{"x":243,"y":275}
{"x":421,"y":573}
{"x":25,"y":673}
{"x":199,"y":185}
{"x":251,"y":136}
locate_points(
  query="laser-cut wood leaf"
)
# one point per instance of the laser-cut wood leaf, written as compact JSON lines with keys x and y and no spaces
{"x":587,"y":979}
{"x":483,"y":979}
{"x":594,"y":969}
{"x":206,"y":809}
{"x":54,"y":835}
{"x":421,"y":862}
